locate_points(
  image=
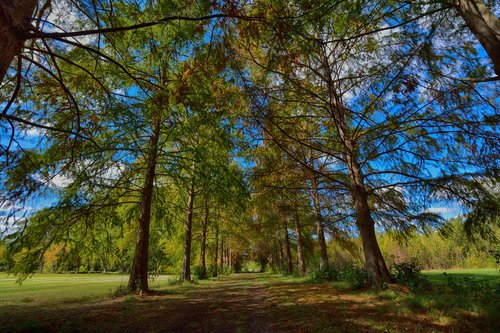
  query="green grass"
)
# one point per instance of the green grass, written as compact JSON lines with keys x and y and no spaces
{"x":490,"y":275}
{"x":42,"y":288}
{"x":59,"y":302}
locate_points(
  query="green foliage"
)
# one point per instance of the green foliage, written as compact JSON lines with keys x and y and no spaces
{"x":200,"y":273}
{"x":326,"y":274}
{"x":355,"y":276}
{"x":409,"y":273}
{"x":352,"y":275}
{"x":212,"y":270}
{"x":442,"y":248}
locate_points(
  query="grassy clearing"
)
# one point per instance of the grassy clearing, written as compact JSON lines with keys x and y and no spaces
{"x":44,"y":288}
{"x":490,"y":275}
{"x":237,"y":303}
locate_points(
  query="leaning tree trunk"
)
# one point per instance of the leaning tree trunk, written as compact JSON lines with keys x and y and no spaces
{"x":186,"y":260}
{"x":15,"y":24}
{"x":139,"y":271}
{"x":203,"y":245}
{"x":374,"y":261}
{"x":323,"y":255}
{"x":289,"y":268}
{"x":301,"y":264}
{"x":484,"y":25}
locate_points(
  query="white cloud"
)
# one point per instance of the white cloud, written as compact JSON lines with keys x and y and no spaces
{"x":60,"y":181}
{"x":444,"y":210}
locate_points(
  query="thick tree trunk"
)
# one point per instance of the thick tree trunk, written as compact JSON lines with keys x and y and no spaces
{"x":484,"y":25}
{"x":203,"y":245}
{"x":15,"y":23}
{"x":139,"y":271}
{"x":289,"y":267}
{"x":323,"y":255}
{"x":186,"y":260}
{"x":374,"y":261}
{"x":216,"y":256}
{"x":301,"y":263}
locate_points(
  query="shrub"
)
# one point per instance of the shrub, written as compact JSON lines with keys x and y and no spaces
{"x":212,"y":270}
{"x":200,"y":273}
{"x":355,"y":276}
{"x":325,"y":274}
{"x":409,"y":274}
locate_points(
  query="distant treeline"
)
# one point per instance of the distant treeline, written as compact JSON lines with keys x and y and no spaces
{"x":433,"y":250}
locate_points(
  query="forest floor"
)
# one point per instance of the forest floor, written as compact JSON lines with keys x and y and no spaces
{"x":249,"y":302}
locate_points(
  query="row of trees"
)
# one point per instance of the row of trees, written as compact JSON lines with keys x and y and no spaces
{"x":340,"y":117}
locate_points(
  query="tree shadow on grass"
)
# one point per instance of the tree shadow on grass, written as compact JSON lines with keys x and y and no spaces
{"x":240,"y":303}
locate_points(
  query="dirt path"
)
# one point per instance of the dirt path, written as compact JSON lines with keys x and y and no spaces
{"x":239,"y":303}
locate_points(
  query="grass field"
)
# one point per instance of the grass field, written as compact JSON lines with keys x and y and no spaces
{"x":490,"y":275}
{"x":43,"y":288}
{"x":257,"y":302}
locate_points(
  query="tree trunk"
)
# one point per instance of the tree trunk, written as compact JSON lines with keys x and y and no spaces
{"x":216,"y":257}
{"x":281,"y":254}
{"x":222,"y":255}
{"x":277,"y":259}
{"x":186,"y":260}
{"x":374,"y":261}
{"x":139,"y":271}
{"x":288,"y":253}
{"x":15,"y":24}
{"x":484,"y":25}
{"x":301,"y":264}
{"x":203,"y":246}
{"x":323,"y":255}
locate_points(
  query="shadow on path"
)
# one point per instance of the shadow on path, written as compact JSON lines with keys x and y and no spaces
{"x":258,"y":303}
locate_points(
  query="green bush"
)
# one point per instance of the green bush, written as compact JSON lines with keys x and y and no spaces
{"x":200,"y":273}
{"x":212,"y":270}
{"x":325,"y":274}
{"x":355,"y":276}
{"x":409,"y":273}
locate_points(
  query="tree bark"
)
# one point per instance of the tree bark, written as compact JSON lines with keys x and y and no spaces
{"x":139,"y":271}
{"x":216,"y":256}
{"x":301,"y":264}
{"x":222,"y":255}
{"x":15,"y":24}
{"x":203,"y":246}
{"x":288,"y":253}
{"x":186,"y":260}
{"x":484,"y":25}
{"x":281,"y":254}
{"x":320,"y":231}
{"x":374,"y":261}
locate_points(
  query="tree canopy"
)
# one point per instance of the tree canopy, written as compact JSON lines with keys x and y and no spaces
{"x":145,"y":136}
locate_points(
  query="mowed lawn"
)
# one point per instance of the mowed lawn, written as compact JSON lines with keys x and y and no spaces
{"x":44,"y":288}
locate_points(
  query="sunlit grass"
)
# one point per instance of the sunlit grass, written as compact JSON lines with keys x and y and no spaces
{"x":41,"y":288}
{"x":491,"y":275}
